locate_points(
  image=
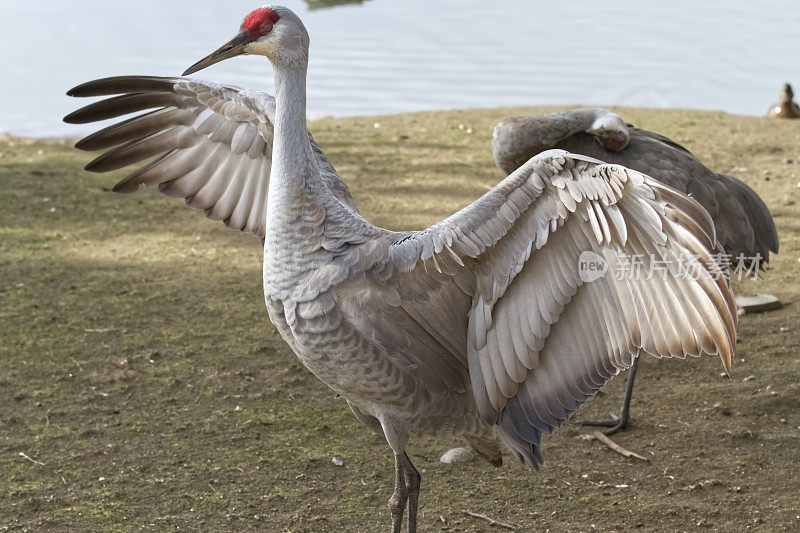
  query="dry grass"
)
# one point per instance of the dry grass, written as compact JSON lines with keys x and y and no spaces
{"x":138,"y":365}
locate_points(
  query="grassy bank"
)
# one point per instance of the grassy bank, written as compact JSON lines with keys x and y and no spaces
{"x":143,"y":383}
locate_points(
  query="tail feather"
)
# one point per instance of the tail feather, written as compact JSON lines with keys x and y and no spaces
{"x":759,"y":217}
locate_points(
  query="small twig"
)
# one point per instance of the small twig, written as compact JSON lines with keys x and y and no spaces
{"x":616,"y":447}
{"x":23,"y":454}
{"x":492,"y":521}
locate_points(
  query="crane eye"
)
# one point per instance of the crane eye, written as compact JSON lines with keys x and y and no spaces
{"x":267,"y":28}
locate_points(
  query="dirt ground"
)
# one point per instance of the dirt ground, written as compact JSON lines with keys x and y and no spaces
{"x":143,"y":388}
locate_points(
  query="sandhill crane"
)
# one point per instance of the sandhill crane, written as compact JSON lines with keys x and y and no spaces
{"x":480,"y":325}
{"x":786,"y":107}
{"x":743,"y":223}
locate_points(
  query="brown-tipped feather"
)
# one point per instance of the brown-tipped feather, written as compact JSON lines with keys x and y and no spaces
{"x":134,"y":128}
{"x":726,"y":355}
{"x":123,"y":85}
{"x":723,"y":301}
{"x":716,"y":287}
{"x":678,"y":216}
{"x":122,"y":105}
{"x":141,"y":149}
{"x":719,"y":277}
{"x":688,"y":205}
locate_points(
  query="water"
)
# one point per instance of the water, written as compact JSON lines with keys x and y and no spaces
{"x":392,"y":56}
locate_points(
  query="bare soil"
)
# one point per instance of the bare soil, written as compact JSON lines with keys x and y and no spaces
{"x":142,"y":381}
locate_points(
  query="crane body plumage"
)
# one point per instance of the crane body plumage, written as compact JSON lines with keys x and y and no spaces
{"x":479,"y":326}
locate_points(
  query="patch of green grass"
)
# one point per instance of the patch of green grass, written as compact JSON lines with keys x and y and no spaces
{"x":138,"y":364}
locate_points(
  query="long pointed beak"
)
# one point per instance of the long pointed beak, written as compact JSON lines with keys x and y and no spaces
{"x":232,"y":48}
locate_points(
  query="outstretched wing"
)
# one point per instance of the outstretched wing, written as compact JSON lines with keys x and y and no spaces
{"x":210,"y":144}
{"x":542,"y":335}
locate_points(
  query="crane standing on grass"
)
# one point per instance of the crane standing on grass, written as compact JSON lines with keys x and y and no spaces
{"x":478,"y":326}
{"x":743,"y":224}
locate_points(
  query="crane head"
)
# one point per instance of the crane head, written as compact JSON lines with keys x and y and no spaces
{"x":265,"y":31}
{"x":610,"y":130}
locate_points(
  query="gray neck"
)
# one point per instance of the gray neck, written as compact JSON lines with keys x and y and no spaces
{"x":519,"y":138}
{"x":576,"y":121}
{"x":294,"y":174}
{"x":292,"y":154}
{"x":295,"y":215}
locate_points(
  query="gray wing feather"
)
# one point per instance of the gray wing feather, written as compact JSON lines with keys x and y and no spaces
{"x":211,"y":144}
{"x":539,"y":340}
{"x":758,"y":217}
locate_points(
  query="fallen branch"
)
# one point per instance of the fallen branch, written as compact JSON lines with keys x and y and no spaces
{"x":492,"y":521}
{"x":23,"y":454}
{"x":616,"y":447}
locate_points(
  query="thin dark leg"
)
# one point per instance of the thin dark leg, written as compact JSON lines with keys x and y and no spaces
{"x":412,"y":480}
{"x":615,"y":424}
{"x":397,"y":503}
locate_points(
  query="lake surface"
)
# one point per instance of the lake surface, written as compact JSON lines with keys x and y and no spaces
{"x":392,"y":56}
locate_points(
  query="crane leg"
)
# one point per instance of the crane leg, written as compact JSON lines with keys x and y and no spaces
{"x":617,"y":423}
{"x":397,"y":503}
{"x":406,"y":492}
{"x":412,"y":480}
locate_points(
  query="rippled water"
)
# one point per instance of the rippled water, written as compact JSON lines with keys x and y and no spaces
{"x":392,"y":56}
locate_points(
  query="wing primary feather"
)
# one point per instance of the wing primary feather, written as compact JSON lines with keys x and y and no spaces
{"x":141,"y":149}
{"x":134,"y":128}
{"x":123,"y":84}
{"x":122,"y":105}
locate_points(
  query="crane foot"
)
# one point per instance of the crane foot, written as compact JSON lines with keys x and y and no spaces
{"x":614,"y":424}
